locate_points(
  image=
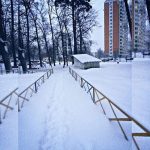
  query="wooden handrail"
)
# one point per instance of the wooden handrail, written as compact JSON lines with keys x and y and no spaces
{"x":8,"y":95}
{"x":21,"y":95}
{"x":33,"y":87}
{"x":104,"y":97}
{"x":6,"y":105}
{"x":51,"y":70}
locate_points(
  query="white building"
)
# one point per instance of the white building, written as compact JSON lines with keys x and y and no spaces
{"x":85,"y":61}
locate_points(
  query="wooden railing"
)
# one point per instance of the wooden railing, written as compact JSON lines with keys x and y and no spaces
{"x":5,"y":103}
{"x":98,"y":98}
{"x":18,"y":71}
{"x":31,"y":89}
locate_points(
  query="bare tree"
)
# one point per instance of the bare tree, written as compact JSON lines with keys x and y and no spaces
{"x":35,"y":18}
{"x":3,"y":43}
{"x":43,"y":25}
{"x":27,"y":5}
{"x":12,"y":34}
{"x":74,"y":5}
{"x":51,"y":6}
{"x":21,"y":50}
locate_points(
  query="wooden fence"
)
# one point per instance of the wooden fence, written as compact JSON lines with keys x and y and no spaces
{"x":18,"y":71}
{"x":98,"y":98}
{"x":6,"y":104}
{"x":20,"y":98}
{"x":31,"y":89}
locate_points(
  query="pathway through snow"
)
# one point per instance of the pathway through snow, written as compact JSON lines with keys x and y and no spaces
{"x":62,"y":117}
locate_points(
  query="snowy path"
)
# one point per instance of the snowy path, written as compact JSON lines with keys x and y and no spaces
{"x":62,"y":117}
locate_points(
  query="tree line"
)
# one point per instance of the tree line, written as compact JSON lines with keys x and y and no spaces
{"x":49,"y":30}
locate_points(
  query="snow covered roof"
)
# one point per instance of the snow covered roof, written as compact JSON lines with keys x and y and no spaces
{"x":83,"y":58}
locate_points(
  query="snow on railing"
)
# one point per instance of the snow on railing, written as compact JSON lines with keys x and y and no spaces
{"x":7,"y":103}
{"x":97,"y":98}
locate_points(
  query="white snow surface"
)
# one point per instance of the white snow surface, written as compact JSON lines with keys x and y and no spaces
{"x":113,"y":80}
{"x":61,"y":116}
{"x":83,"y":58}
{"x":24,"y":80}
{"x":141,"y":91}
{"x":126,"y":84}
{"x":9,"y":82}
{"x":9,"y":127}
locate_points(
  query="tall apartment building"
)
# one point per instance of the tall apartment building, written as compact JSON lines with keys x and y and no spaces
{"x":138,"y":25}
{"x":115,"y":28}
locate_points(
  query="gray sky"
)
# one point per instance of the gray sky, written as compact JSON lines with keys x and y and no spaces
{"x":98,"y":32}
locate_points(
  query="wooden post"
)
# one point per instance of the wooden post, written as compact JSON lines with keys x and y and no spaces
{"x":35,"y":84}
{"x":81,"y":82}
{"x":93,"y":95}
{"x":7,"y":107}
{"x":43,"y":78}
{"x":76,"y":77}
{"x":118,"y":121}
{"x":135,"y":143}
{"x":47,"y":75}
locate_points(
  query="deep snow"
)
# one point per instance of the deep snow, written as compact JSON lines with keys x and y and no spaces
{"x":62,"y":116}
{"x":141,"y":91}
{"x":9,"y":127}
{"x":62,"y":120}
{"x":56,"y":118}
{"x":126,"y":84}
{"x":114,"y":80}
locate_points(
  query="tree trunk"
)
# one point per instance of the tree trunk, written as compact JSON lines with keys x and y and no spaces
{"x":12,"y":34}
{"x":85,"y":48}
{"x":52,"y":31}
{"x":69,"y":40}
{"x":74,"y":28}
{"x":81,"y":39}
{"x":28,"y":39}
{"x":3,"y":48}
{"x":21,"y":51}
{"x":62,"y":37}
{"x":128,"y":16}
{"x":38,"y":42}
{"x":62,"y":42}
{"x":47,"y":50}
{"x":148,"y":9}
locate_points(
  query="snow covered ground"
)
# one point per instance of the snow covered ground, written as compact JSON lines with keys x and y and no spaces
{"x":141,"y":91}
{"x":24,"y":80}
{"x":7,"y":84}
{"x":114,"y":80}
{"x":11,"y":81}
{"x":58,"y":119}
{"x":62,"y":116}
{"x":127,"y":84}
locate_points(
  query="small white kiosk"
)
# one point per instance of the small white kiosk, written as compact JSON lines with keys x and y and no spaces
{"x":85,"y":61}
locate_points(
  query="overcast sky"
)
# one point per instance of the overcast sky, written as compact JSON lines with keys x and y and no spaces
{"x":98,"y":33}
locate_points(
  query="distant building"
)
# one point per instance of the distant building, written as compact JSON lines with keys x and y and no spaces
{"x":85,"y":61}
{"x":115,"y":28}
{"x":138,"y":25}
